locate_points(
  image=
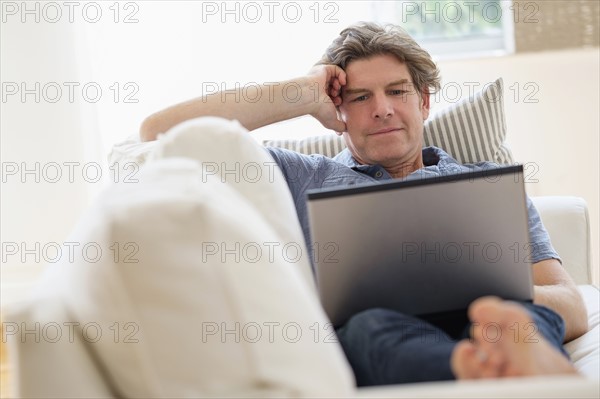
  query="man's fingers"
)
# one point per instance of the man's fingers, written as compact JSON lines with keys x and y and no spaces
{"x":336,"y":84}
{"x":335,"y":93}
{"x":341,"y":75}
{"x":335,"y":88}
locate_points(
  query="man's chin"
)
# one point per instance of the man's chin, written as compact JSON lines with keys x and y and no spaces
{"x":390,"y":153}
{"x":382,"y":151}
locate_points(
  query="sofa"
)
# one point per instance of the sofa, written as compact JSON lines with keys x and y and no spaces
{"x":180,"y":304}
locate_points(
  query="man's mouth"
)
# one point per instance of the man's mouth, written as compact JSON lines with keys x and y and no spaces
{"x":385,"y":130}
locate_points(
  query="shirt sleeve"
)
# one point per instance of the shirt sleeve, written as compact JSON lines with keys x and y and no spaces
{"x":300,"y":171}
{"x":540,"y":246}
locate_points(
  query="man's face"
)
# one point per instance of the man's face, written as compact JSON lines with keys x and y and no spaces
{"x":383,"y":112}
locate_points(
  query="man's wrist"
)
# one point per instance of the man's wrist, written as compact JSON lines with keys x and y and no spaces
{"x":309,"y":99}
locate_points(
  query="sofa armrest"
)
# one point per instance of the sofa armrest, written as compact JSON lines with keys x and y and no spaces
{"x":567,"y":221}
{"x":48,"y":355}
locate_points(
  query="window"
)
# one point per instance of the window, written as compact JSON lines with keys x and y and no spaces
{"x":453,"y":29}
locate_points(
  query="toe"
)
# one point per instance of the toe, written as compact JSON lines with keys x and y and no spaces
{"x":465,"y":362}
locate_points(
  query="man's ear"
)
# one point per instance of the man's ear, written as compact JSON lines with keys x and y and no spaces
{"x":425,"y":103}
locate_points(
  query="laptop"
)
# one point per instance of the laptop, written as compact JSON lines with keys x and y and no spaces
{"x":421,"y":247}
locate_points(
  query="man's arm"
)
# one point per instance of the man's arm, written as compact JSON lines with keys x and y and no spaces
{"x":316,"y":94}
{"x":555,"y":289}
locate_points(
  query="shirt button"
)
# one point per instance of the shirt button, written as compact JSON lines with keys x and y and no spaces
{"x":378,"y":174}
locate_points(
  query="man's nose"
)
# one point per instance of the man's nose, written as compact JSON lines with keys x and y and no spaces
{"x":382,"y":107}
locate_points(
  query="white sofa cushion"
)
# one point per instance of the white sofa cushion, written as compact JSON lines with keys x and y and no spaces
{"x":203,"y":316}
{"x":585,"y":350}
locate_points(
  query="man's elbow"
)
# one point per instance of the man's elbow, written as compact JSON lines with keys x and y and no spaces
{"x":579,"y":318}
{"x":582,"y":326}
{"x":149,"y":129}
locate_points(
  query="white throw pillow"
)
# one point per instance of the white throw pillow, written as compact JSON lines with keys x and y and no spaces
{"x":203,"y":287}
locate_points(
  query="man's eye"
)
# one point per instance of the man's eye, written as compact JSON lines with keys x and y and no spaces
{"x":360,"y":98}
{"x":399,"y":92}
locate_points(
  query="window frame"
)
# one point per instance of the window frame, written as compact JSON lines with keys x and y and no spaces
{"x":469,"y":47}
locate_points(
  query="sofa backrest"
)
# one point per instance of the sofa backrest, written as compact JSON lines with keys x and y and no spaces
{"x":567,"y":221}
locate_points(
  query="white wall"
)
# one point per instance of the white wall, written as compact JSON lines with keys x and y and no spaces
{"x":40,"y":136}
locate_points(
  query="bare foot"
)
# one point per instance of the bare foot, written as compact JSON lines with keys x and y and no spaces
{"x":505,"y":343}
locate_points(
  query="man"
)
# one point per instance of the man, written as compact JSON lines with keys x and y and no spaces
{"x":373,"y":87}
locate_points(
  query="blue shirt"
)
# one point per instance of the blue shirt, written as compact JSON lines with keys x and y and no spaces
{"x":306,"y":172}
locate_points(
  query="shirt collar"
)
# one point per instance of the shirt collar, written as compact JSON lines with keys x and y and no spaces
{"x":346,"y":158}
{"x":432,"y":156}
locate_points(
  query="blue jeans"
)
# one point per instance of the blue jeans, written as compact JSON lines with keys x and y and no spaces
{"x":387,"y":347}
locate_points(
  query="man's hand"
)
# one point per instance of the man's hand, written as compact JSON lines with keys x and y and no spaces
{"x":329,"y":80}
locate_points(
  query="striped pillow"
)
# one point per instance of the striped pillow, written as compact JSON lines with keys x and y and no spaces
{"x":472,"y":130}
